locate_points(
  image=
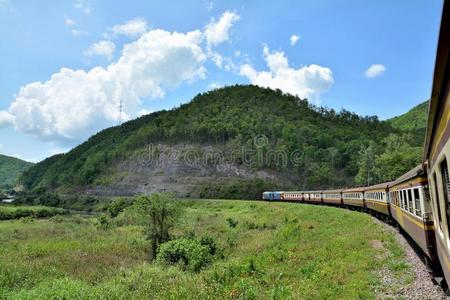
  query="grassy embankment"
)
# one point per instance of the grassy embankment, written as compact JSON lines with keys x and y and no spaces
{"x":274,"y":251}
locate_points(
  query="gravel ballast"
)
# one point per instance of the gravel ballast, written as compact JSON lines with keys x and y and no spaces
{"x":422,"y":286}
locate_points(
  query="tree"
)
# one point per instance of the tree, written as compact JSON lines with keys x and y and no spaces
{"x":366,"y":164}
{"x":158,"y":214}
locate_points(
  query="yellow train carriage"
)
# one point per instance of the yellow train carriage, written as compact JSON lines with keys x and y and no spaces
{"x":410,"y":208}
{"x":293,"y":196}
{"x":313,"y":196}
{"x":353,"y":197}
{"x":377,"y":198}
{"x":332,"y":196}
{"x":437,"y":144}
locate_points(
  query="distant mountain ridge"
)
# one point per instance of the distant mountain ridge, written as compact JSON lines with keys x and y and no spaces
{"x":244,"y":125}
{"x":11,"y":169}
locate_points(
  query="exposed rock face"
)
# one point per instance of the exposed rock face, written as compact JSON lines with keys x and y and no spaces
{"x":181,"y":168}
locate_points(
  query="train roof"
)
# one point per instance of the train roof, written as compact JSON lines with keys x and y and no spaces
{"x":379,"y":186}
{"x":333,"y":191}
{"x":415,"y":172}
{"x":356,"y":189}
{"x":440,"y":78}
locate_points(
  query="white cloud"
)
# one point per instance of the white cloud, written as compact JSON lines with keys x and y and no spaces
{"x":375,"y":71}
{"x":305,"y":82}
{"x":20,"y":156}
{"x":102,"y":48}
{"x":132,"y":28}
{"x":55,"y":151}
{"x":73,"y":104}
{"x":144,"y":112}
{"x":69,"y":22}
{"x":294,"y":39}
{"x":214,"y":85}
{"x":79,"y":4}
{"x":6,"y":119}
{"x":78,"y":33}
{"x":218,"y":32}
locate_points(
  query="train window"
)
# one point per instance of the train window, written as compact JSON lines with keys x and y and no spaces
{"x":446,"y":187}
{"x":438,"y":205}
{"x":405,"y":200}
{"x":410,"y":202}
{"x":417,"y":202}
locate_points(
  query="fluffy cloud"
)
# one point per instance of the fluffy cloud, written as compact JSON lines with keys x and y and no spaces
{"x":6,"y":119}
{"x":294,"y":39}
{"x":375,"y":71}
{"x":73,"y":104}
{"x":218,"y":32}
{"x":305,"y":82}
{"x":132,"y":28}
{"x":102,"y":48}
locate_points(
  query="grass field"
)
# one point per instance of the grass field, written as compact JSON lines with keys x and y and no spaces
{"x":274,"y":251}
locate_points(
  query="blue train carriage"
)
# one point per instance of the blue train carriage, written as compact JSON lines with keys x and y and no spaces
{"x":332,"y":196}
{"x":273,"y":196}
{"x":294,"y":196}
{"x":410,"y":207}
{"x":437,"y":144}
{"x":377,"y":199}
{"x":353,"y":198}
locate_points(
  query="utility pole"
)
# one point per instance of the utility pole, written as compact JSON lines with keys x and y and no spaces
{"x":120,"y":111}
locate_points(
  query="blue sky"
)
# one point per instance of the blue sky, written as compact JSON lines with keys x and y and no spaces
{"x":370,"y":57}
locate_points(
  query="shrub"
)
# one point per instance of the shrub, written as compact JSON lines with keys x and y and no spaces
{"x":158,"y":214}
{"x":57,"y":219}
{"x":103,"y":222}
{"x":191,"y":254}
{"x":116,"y":207}
{"x":209,"y":243}
{"x":232,"y":223}
{"x":27,"y":220}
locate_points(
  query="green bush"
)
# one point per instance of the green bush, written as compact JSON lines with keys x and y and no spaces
{"x":116,"y":207}
{"x":103,"y":222}
{"x":232,"y":223}
{"x":191,"y":254}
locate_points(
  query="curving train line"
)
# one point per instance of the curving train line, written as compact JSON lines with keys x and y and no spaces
{"x":418,"y":201}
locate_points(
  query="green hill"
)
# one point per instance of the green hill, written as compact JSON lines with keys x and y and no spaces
{"x":414,"y":121}
{"x":231,"y":142}
{"x":10,"y":170}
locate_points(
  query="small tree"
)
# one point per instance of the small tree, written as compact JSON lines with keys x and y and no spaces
{"x":158,"y":214}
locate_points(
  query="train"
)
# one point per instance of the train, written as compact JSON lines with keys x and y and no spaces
{"x":418,"y":201}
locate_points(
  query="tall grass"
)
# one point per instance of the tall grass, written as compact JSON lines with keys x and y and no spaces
{"x":274,"y":251}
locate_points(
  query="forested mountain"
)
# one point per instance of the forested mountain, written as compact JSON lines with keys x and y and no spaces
{"x":230,"y":142}
{"x":10,"y":170}
{"x":414,"y":121}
